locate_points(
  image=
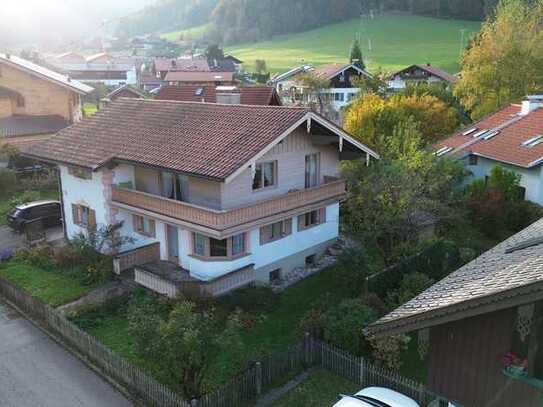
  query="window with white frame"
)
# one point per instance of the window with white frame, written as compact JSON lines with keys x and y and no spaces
{"x":275,"y":231}
{"x":339,"y":97}
{"x":265,"y":175}
{"x":209,"y":247}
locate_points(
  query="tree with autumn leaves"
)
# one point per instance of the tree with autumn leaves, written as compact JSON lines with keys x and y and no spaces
{"x":504,"y":61}
{"x":372,"y":117}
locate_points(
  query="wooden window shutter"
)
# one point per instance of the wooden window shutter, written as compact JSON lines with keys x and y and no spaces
{"x":287,"y":227}
{"x":75,"y":214}
{"x":265,"y":234}
{"x":322,"y":215}
{"x":301,"y":222}
{"x":152,"y":228}
{"x":136,"y":222}
{"x":92,"y":219}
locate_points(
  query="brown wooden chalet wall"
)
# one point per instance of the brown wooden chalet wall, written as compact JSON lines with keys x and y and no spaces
{"x":465,"y":363}
{"x":336,"y":83}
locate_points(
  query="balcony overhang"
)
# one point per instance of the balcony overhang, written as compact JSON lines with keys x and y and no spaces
{"x":225,"y":223}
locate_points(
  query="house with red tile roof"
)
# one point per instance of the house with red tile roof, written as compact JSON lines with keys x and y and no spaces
{"x":35,"y":102}
{"x":417,"y":73}
{"x":215,"y":196}
{"x":512,"y":137}
{"x":245,"y":95}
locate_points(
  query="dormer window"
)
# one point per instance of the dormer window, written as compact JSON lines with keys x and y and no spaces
{"x":532,"y":142}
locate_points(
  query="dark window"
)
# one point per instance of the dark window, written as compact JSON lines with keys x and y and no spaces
{"x":311,"y":218}
{"x":265,"y":175}
{"x":521,"y":192}
{"x":275,"y":275}
{"x":218,"y":248}
{"x":473,"y":160}
{"x":310,"y":260}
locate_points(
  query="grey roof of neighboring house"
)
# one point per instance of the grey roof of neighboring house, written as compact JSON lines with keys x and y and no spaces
{"x":45,"y":73}
{"x":23,"y":125}
{"x":504,"y":275}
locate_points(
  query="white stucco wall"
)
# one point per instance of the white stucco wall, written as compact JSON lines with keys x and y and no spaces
{"x":85,"y":192}
{"x":531,"y":179}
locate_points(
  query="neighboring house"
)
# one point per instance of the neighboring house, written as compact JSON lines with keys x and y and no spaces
{"x":35,"y":102}
{"x":340,"y":76}
{"x":470,"y":322}
{"x":124,"y":91}
{"x":511,"y":137}
{"x":228,"y":194}
{"x":238,"y":63}
{"x":419,"y":73}
{"x":103,"y":67}
{"x":285,"y":82}
{"x":197,"y":63}
{"x":181,"y":78}
{"x":245,"y":95}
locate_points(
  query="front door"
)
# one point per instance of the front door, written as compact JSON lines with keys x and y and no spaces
{"x":173,"y":244}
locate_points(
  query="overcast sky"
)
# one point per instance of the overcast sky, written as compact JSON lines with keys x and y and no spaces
{"x":52,"y":21}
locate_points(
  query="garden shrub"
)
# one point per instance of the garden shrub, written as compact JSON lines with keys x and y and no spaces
{"x":353,"y":267}
{"x":8,"y":180}
{"x":386,"y":351}
{"x":412,"y":285}
{"x":24,"y":197}
{"x":39,"y":256}
{"x":436,"y":261}
{"x":343,"y":325}
{"x":251,"y":299}
{"x":312,"y":322}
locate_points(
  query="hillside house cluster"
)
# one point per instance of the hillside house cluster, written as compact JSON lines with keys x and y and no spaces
{"x":216,"y":196}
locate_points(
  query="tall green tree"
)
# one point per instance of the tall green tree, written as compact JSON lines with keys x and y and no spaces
{"x":356,"y":55}
{"x":505,"y":60}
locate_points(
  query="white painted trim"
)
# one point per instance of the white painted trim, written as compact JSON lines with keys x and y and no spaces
{"x":505,"y":162}
{"x":360,"y":70}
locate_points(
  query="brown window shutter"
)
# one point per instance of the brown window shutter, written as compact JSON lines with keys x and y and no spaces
{"x":322,"y":215}
{"x":301,"y":222}
{"x":287,"y":227}
{"x":92,"y":219}
{"x":152,"y":228}
{"x":75,"y":214}
{"x":136,"y":222}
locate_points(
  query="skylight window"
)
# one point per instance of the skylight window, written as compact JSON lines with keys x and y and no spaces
{"x":443,"y":151}
{"x":199,"y":92}
{"x":468,"y":132}
{"x":491,"y":134}
{"x":534,"y":141}
{"x":480,"y":133}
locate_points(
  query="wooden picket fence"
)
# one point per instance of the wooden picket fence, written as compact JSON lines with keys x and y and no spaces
{"x":241,"y":391}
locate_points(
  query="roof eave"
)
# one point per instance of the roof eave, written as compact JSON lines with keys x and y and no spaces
{"x":466,"y":309}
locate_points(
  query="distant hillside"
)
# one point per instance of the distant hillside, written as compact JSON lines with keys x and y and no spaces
{"x":166,"y":15}
{"x":396,"y":41}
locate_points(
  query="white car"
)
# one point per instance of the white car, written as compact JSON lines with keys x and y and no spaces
{"x":376,"y":397}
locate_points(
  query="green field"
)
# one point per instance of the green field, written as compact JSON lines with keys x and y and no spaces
{"x":189,"y":33}
{"x":396,"y":41}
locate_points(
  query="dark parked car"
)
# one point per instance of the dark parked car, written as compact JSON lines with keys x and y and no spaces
{"x":47,"y":211}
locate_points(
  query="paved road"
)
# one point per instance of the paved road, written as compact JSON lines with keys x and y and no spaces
{"x":36,"y":372}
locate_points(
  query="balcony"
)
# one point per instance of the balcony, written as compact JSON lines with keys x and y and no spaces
{"x":221,"y":222}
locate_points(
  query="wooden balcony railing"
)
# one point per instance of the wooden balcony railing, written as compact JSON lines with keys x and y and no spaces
{"x":224,"y":219}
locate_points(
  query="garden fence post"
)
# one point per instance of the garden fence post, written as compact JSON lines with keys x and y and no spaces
{"x":362,"y":368}
{"x":194,"y":403}
{"x":307,"y":349}
{"x":258,"y":373}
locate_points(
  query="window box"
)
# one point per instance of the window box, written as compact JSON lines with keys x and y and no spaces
{"x":531,"y":381}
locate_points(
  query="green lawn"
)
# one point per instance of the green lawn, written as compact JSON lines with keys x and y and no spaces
{"x":320,"y":389}
{"x":53,"y":287}
{"x":396,"y":41}
{"x":193,"y":33}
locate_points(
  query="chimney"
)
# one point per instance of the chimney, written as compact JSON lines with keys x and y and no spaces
{"x":228,"y":95}
{"x":531,"y":103}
